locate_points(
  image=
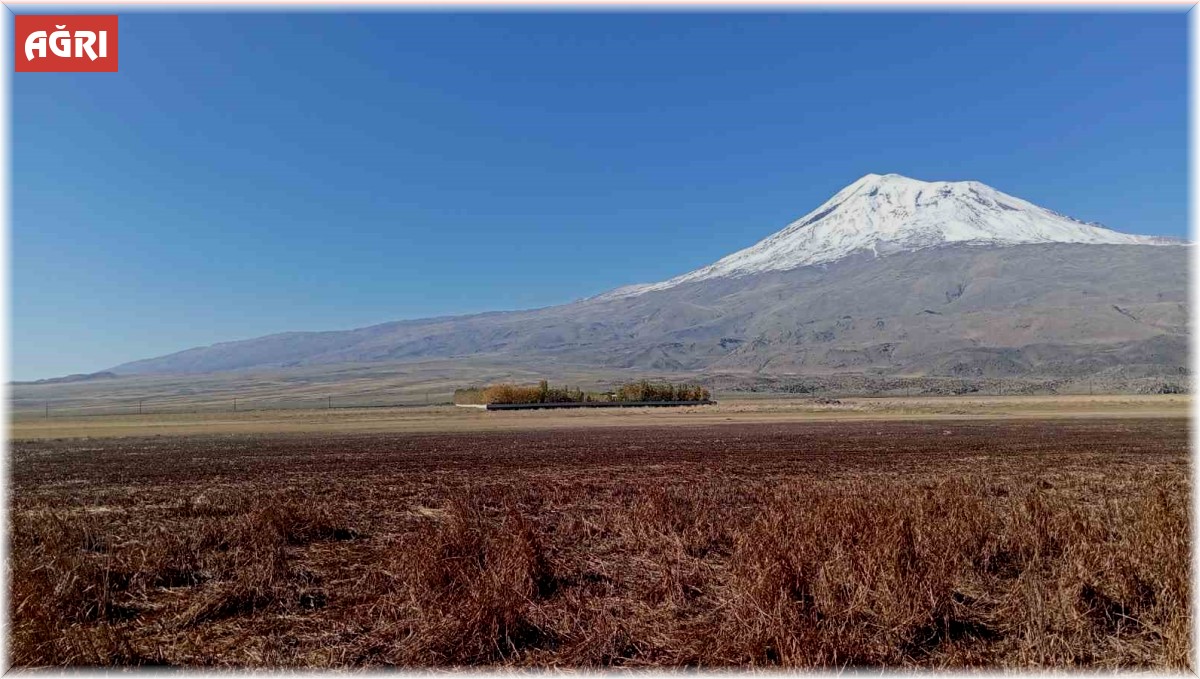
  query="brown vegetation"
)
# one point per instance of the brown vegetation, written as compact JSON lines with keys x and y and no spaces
{"x":826,"y":545}
{"x":542,"y":392}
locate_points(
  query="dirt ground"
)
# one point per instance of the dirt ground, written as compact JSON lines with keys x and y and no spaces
{"x":837,"y":542}
{"x":733,"y":410}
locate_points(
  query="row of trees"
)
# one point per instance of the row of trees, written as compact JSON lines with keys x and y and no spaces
{"x":542,"y":392}
{"x":647,"y":391}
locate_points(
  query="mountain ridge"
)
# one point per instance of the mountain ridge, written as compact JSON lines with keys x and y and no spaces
{"x":910,"y":280}
{"x":892,"y":213}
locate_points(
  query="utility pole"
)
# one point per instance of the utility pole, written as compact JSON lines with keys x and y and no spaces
{"x":47,"y":410}
{"x":328,"y":402}
{"x":140,"y":406}
{"x":235,"y":405}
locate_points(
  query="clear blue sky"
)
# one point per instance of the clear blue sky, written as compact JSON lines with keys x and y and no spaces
{"x":253,"y":173}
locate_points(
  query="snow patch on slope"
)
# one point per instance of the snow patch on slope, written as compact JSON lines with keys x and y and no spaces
{"x":891,"y":213}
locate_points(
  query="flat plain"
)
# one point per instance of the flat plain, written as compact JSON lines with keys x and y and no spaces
{"x":737,"y":408}
{"x":773,"y":533}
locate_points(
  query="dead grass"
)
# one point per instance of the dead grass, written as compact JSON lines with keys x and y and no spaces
{"x":878,"y":545}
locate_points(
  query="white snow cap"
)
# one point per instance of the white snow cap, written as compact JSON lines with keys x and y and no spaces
{"x":891,"y":213}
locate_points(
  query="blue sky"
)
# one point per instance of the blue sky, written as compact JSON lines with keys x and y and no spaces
{"x":253,"y":173}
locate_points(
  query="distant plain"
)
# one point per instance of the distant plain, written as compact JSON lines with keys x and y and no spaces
{"x":739,"y":408}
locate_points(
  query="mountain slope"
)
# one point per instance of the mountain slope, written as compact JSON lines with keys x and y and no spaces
{"x":903,"y":284}
{"x":884,"y":214}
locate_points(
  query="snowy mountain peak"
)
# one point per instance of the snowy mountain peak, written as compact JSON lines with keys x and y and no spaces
{"x":884,"y":214}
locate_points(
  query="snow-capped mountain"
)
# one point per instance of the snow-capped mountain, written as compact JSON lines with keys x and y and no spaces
{"x":885,"y":214}
{"x":912,"y":277}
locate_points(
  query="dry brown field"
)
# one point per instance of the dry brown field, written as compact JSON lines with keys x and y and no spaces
{"x":792,"y":537}
{"x":736,"y":409}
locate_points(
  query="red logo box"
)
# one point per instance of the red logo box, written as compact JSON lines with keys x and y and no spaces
{"x":69,"y":42}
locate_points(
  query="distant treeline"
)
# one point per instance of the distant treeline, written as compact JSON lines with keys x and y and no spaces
{"x":542,"y":392}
